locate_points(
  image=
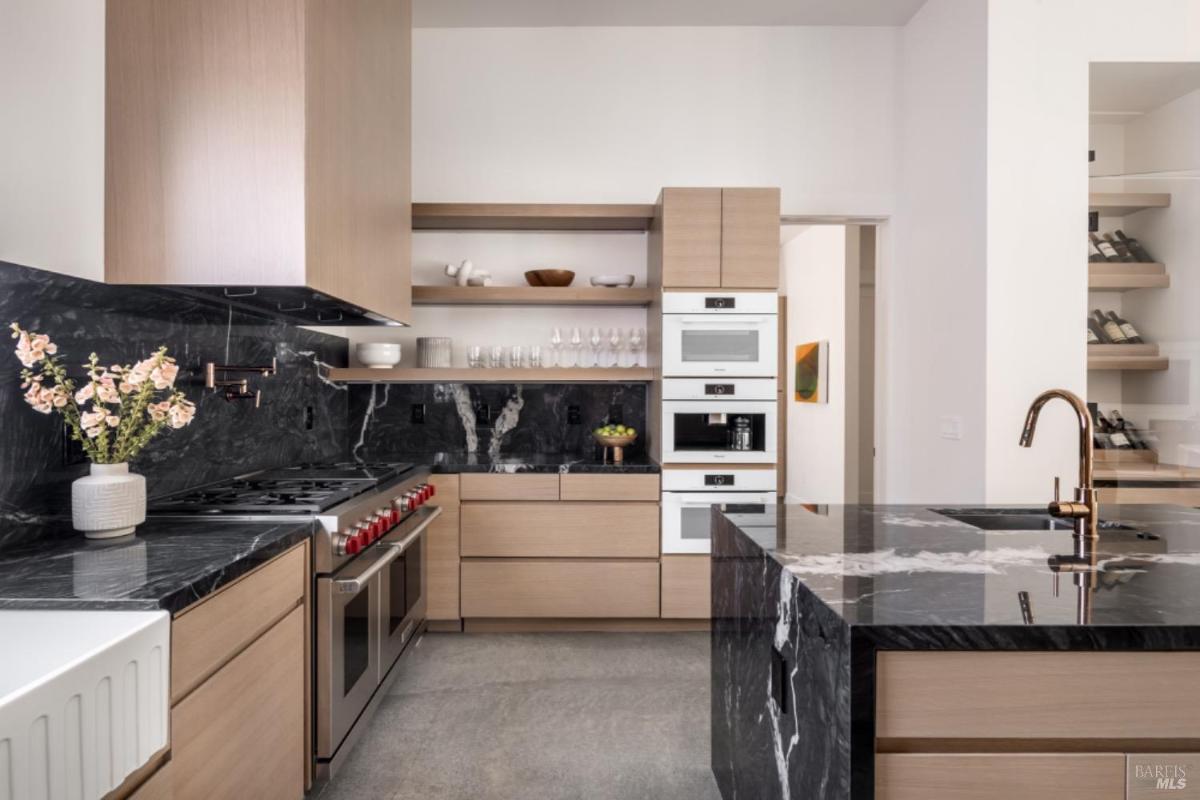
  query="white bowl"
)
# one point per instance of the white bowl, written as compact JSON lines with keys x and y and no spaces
{"x":612,"y":281}
{"x":378,"y":355}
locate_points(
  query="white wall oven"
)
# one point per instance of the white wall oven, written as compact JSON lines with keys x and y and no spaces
{"x":720,"y":334}
{"x":714,"y":421}
{"x":689,"y":495}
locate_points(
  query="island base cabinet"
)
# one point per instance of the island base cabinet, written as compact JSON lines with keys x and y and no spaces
{"x":958,"y":776}
{"x":559,"y":588}
{"x":241,"y":732}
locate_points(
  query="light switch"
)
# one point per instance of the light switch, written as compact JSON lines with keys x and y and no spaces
{"x":952,"y":428}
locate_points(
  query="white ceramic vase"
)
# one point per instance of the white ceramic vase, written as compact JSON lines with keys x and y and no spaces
{"x":108,"y":503}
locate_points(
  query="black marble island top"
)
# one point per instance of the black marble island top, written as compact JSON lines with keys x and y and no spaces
{"x":802,"y":604}
{"x":461,"y":461}
{"x":167,"y":564}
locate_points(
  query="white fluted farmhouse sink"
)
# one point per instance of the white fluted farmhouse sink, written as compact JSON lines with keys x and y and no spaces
{"x":83,"y":700}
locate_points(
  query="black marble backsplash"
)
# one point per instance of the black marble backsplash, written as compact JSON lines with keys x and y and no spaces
{"x":302,"y":417}
{"x":492,"y":419}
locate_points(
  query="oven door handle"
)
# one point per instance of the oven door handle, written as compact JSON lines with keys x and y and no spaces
{"x":723,"y":323}
{"x":421,"y":518}
{"x":358,"y":583}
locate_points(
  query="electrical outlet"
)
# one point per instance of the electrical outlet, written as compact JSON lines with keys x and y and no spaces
{"x":615,"y":415}
{"x":951,"y":428}
{"x":574,"y":416}
{"x":310,"y":418}
{"x":483,"y":413}
{"x":418,"y":413}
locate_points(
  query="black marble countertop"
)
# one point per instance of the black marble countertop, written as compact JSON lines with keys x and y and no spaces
{"x":456,"y":462}
{"x":168,"y":564}
{"x":912,"y":566}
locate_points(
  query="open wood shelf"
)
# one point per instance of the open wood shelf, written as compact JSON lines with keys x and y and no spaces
{"x":530,"y":296}
{"x":467,"y":375}
{"x":1142,"y":363}
{"x":1118,"y":204}
{"x":1124,"y":276}
{"x":1158,"y":473}
{"x":1121,"y":350}
{"x":532,"y":216}
{"x":1110,"y":458}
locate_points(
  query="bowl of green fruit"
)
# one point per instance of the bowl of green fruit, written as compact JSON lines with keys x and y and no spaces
{"x":618,"y":437}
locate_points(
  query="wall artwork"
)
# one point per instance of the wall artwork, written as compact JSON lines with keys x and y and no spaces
{"x":812,"y":372}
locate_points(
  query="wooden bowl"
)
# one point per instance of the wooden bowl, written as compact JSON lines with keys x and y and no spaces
{"x":618,"y":445}
{"x":549,"y":277}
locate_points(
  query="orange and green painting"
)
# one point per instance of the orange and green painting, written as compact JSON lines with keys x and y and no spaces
{"x":810,"y":373}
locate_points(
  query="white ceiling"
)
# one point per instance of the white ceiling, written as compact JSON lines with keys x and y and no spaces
{"x":1125,"y":90}
{"x":566,"y":13}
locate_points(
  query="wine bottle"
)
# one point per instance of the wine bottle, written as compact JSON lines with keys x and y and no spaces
{"x":1123,"y":425}
{"x":1096,"y":334}
{"x":1112,"y":329}
{"x":1131,"y":334}
{"x":1099,"y":440}
{"x":1094,"y":255}
{"x":1122,"y":251}
{"x":1135,"y":247}
{"x":1106,"y":249}
{"x":1103,"y":431}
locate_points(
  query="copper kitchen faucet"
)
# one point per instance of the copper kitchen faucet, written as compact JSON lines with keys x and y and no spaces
{"x":1085,"y":508}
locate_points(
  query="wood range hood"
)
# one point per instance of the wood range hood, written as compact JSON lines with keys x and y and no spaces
{"x":258,"y":152}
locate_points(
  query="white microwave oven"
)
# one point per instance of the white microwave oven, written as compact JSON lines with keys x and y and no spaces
{"x":730,"y":334}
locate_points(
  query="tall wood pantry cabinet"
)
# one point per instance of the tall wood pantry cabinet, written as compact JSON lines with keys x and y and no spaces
{"x":708,"y":238}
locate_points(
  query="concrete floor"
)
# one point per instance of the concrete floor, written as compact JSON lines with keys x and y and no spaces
{"x":545,"y":716}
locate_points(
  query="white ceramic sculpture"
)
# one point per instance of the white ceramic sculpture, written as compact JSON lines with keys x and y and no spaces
{"x":465,"y":274}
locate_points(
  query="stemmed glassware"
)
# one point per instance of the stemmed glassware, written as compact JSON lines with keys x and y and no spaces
{"x":576,"y":347}
{"x":555,"y":358}
{"x":615,"y":351}
{"x":637,"y":341}
{"x":595,"y":339}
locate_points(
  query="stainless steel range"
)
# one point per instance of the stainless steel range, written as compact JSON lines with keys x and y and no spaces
{"x":369,"y":574}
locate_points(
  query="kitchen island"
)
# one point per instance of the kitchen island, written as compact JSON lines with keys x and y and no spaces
{"x":899,"y":652}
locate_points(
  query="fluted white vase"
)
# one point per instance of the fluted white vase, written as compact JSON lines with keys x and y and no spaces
{"x":109,"y":502}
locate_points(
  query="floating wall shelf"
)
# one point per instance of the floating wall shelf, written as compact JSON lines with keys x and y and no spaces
{"x":1124,"y":277}
{"x":467,"y":375}
{"x":1118,"y":204}
{"x":532,"y":216}
{"x":530,"y":296}
{"x":1143,"y":357}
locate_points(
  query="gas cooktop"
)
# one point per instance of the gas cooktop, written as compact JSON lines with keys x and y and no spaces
{"x":307,"y":488}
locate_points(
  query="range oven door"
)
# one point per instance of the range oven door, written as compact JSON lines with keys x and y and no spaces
{"x":698,"y":345}
{"x":718,"y":431}
{"x":403,"y":597}
{"x":348,"y":644}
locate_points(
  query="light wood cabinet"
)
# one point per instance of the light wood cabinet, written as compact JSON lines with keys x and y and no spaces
{"x":241,"y":733}
{"x":686,"y":587}
{"x":442,"y":548}
{"x":626,"y":488}
{"x":710,"y":238}
{"x":559,"y":588}
{"x":261,"y":143}
{"x":157,"y":787}
{"x":530,"y":486}
{"x":560,"y":530}
{"x":961,"y":776}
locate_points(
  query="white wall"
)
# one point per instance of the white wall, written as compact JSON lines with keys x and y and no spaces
{"x":814,"y":275}
{"x":1037,"y":133}
{"x":614,"y":114}
{"x":931,"y":343}
{"x":52,"y":135}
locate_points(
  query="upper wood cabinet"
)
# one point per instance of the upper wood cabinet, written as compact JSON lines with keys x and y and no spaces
{"x":709,"y":238}
{"x":261,"y":143}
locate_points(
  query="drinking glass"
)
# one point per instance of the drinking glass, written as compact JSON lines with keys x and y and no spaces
{"x":614,"y":343}
{"x":576,"y":347}
{"x":555,"y":358}
{"x":497,"y":357}
{"x":535,"y":355}
{"x":516,"y":356}
{"x":474,"y":356}
{"x":595,"y":339}
{"x":637,"y":341}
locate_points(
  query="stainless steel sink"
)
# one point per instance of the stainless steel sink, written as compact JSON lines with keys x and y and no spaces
{"x":1017,"y":519}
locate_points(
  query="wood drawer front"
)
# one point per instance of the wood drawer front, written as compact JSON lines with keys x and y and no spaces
{"x":441,"y":548}
{"x":1063,"y":695}
{"x":560,"y":530}
{"x":610,"y":487}
{"x":157,"y":786}
{"x":206,"y":635}
{"x":447,"y":491}
{"x":486,"y":486}
{"x":527,"y":588}
{"x":1051,"y":776}
{"x":686,"y":587}
{"x":241,"y":733}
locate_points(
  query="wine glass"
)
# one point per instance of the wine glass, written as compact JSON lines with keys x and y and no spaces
{"x":595,"y":339}
{"x":637,"y":340}
{"x":556,"y":340}
{"x":576,"y":346}
{"x":614,"y":343}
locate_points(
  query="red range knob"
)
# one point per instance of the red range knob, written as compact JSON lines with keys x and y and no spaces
{"x":395,"y":516}
{"x":352,"y":546}
{"x":432,"y":490}
{"x":427,"y":491}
